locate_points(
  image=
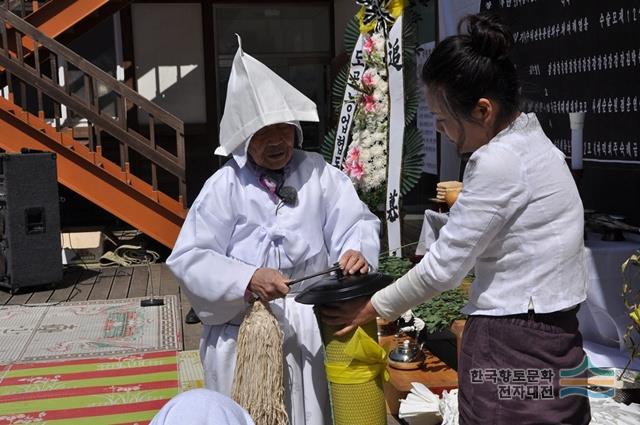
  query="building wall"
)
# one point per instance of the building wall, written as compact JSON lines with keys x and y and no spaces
{"x":182,"y":54}
{"x":169,"y":58}
{"x":343,"y":12}
{"x":170,"y":66}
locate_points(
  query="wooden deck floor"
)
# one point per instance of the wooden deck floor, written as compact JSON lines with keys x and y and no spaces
{"x":115,"y":283}
{"x":79,"y":284}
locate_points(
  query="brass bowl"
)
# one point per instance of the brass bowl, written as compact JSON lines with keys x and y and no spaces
{"x":451,"y":196}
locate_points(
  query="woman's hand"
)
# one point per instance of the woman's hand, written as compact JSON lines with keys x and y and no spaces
{"x":352,"y":314}
{"x":268,"y":284}
{"x":353,"y":262}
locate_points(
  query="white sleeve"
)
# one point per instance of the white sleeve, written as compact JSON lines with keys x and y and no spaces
{"x":349,"y":224}
{"x":494,"y":192}
{"x":214,"y":283}
{"x":431,"y":225}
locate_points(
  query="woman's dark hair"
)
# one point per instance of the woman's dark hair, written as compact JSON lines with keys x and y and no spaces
{"x":463,"y":68}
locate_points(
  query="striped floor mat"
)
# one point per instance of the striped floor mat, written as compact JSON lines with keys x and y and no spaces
{"x":116,"y":390}
{"x":190,"y":369}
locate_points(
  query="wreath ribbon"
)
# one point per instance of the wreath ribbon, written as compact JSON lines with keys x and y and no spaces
{"x":378,"y":14}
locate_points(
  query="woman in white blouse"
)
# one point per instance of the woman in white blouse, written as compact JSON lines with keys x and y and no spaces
{"x":519,"y":223}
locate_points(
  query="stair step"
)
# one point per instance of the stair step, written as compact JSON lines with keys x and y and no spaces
{"x":86,"y":172}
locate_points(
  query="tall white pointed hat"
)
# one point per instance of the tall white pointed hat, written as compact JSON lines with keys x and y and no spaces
{"x":257,"y":97}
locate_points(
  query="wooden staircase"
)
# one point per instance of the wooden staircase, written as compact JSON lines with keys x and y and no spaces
{"x":132,"y":163}
{"x":55,"y":17}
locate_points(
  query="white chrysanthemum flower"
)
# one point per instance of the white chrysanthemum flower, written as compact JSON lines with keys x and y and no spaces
{"x":360,"y":123}
{"x":374,"y":180}
{"x":373,"y":122}
{"x":367,"y":143}
{"x":380,"y":162}
{"x":370,"y":125}
{"x":379,"y":42}
{"x":377,"y":150}
{"x":365,"y":156}
{"x":380,"y":136}
{"x":378,"y":177}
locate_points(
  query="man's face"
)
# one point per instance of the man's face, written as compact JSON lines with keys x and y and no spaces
{"x":272,"y":146}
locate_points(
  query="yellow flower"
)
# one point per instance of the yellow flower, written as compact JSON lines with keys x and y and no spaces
{"x":394,"y":7}
{"x":635,"y":316}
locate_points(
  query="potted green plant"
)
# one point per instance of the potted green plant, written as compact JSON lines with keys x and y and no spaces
{"x":444,"y":322}
{"x":439,"y":312}
{"x":394,"y":266}
{"x":631,"y":297}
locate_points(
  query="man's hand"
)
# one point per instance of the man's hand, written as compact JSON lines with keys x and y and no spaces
{"x":351,"y":314}
{"x":353,"y":262}
{"x":268,"y":284}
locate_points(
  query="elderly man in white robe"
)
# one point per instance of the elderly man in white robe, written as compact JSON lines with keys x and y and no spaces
{"x":270,"y":215}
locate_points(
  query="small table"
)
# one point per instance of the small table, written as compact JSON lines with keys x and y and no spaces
{"x":438,"y":205}
{"x":603,"y":316}
{"x":435,"y":375}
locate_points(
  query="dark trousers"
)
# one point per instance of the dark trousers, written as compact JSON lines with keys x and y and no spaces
{"x":509,"y":367}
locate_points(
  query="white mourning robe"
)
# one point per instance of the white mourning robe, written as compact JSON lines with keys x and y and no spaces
{"x":201,"y":407}
{"x":234,"y":227}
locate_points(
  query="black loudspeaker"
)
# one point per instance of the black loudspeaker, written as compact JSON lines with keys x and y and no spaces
{"x":30,"y":251}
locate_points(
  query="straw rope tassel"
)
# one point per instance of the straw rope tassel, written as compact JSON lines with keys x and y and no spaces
{"x":258,"y":377}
